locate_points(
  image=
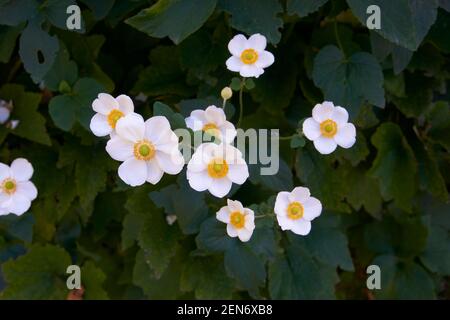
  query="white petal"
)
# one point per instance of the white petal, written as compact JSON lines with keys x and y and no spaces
{"x":238,"y":173}
{"x":99,"y":125}
{"x":220,"y":187}
{"x":154,"y":172}
{"x":27,"y":189}
{"x":170,"y":163}
{"x":101,"y":107}
{"x":322,"y":112}
{"x":265,"y":59}
{"x":3,"y":211}
{"x":21,"y":169}
{"x":299,"y":194}
{"x":193,"y":123}
{"x":249,"y":219}
{"x":312,"y":208}
{"x":339,"y":115}
{"x":133,"y":172}
{"x":228,"y":132}
{"x":4,"y":114}
{"x":244,"y":234}
{"x":18,"y":204}
{"x":251,"y":70}
{"x":232,"y":232}
{"x":120,"y":149}
{"x":131,"y":127}
{"x":215,"y":115}
{"x":325,"y":145}
{"x":281,"y":203}
{"x":5,"y":171}
{"x":108,"y":100}
{"x":234,"y":64}
{"x":223,"y":215}
{"x":301,"y":227}
{"x":125,"y":104}
{"x":199,"y":181}
{"x":257,"y":42}
{"x":237,"y":45}
{"x":346,"y":135}
{"x":235,"y":205}
{"x":284,"y":222}
{"x":157,"y":128}
{"x":311,"y":129}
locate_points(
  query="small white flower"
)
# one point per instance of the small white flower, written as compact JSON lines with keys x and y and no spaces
{"x":16,"y":191}
{"x":109,"y":111}
{"x":147,"y":149}
{"x":240,"y":221}
{"x":329,"y":127}
{"x":215,"y":167}
{"x":170,"y":219}
{"x":248,"y":56}
{"x":212,"y":121}
{"x":296,"y":209}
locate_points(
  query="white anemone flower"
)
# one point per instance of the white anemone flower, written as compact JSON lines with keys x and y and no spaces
{"x":109,"y":111}
{"x":248,"y":55}
{"x":212,"y":121}
{"x":16,"y":189}
{"x":215,"y":167}
{"x":240,"y":221}
{"x":329,"y":127}
{"x":147,"y":149}
{"x":295,"y":210}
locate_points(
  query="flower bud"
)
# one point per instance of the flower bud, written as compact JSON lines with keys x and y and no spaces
{"x":226,"y":93}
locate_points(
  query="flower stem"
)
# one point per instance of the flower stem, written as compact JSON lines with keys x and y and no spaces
{"x":284,"y":138}
{"x":241,"y":103}
{"x":265,"y":215}
{"x":338,"y":38}
{"x":224,"y":103}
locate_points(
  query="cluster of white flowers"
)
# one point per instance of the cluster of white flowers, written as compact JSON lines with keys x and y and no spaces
{"x":148,"y":149}
{"x":16,"y":189}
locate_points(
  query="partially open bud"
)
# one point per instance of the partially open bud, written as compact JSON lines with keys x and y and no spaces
{"x":226,"y":93}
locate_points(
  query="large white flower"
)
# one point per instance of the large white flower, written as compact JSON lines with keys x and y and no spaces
{"x":215,"y":167}
{"x":212,"y":121}
{"x":296,"y":209}
{"x":248,"y":55}
{"x":16,"y":191}
{"x":109,"y":111}
{"x":329,"y":127}
{"x":147,"y":149}
{"x":240,"y":221}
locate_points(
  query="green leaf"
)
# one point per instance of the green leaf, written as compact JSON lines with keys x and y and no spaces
{"x":282,"y":180}
{"x":438,"y":117}
{"x":176,"y":120}
{"x":213,"y":237}
{"x":55,"y":11}
{"x":418,"y":96}
{"x":176,"y":198}
{"x":304,"y":7}
{"x":176,"y":19}
{"x":39,"y":274}
{"x":402,"y":280}
{"x":207,"y":278}
{"x":63,"y":70}
{"x":67,"y":109}
{"x":255,"y":17}
{"x":364,"y":192}
{"x":297,"y":142}
{"x":8,"y":37}
{"x":297,"y":275}
{"x":32,"y":123}
{"x":407,"y":29}
{"x":349,"y":82}
{"x":157,"y":239}
{"x":37,"y":50}
{"x":20,"y":227}
{"x":395,"y":165}
{"x":14,"y":12}
{"x":436,"y":255}
{"x":100,"y":8}
{"x":92,"y":279}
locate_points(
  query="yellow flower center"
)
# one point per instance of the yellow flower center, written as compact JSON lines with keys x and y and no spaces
{"x":144,"y":150}
{"x":217,"y":168}
{"x":211,"y":129}
{"x":249,"y":56}
{"x":114,"y":116}
{"x":295,"y":210}
{"x":9,"y":186}
{"x":237,"y":219}
{"x":328,"y":128}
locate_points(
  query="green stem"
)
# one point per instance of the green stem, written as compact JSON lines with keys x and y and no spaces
{"x":338,"y":38}
{"x":241,"y":103}
{"x":284,"y":138}
{"x":265,"y":215}
{"x":224,"y":103}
